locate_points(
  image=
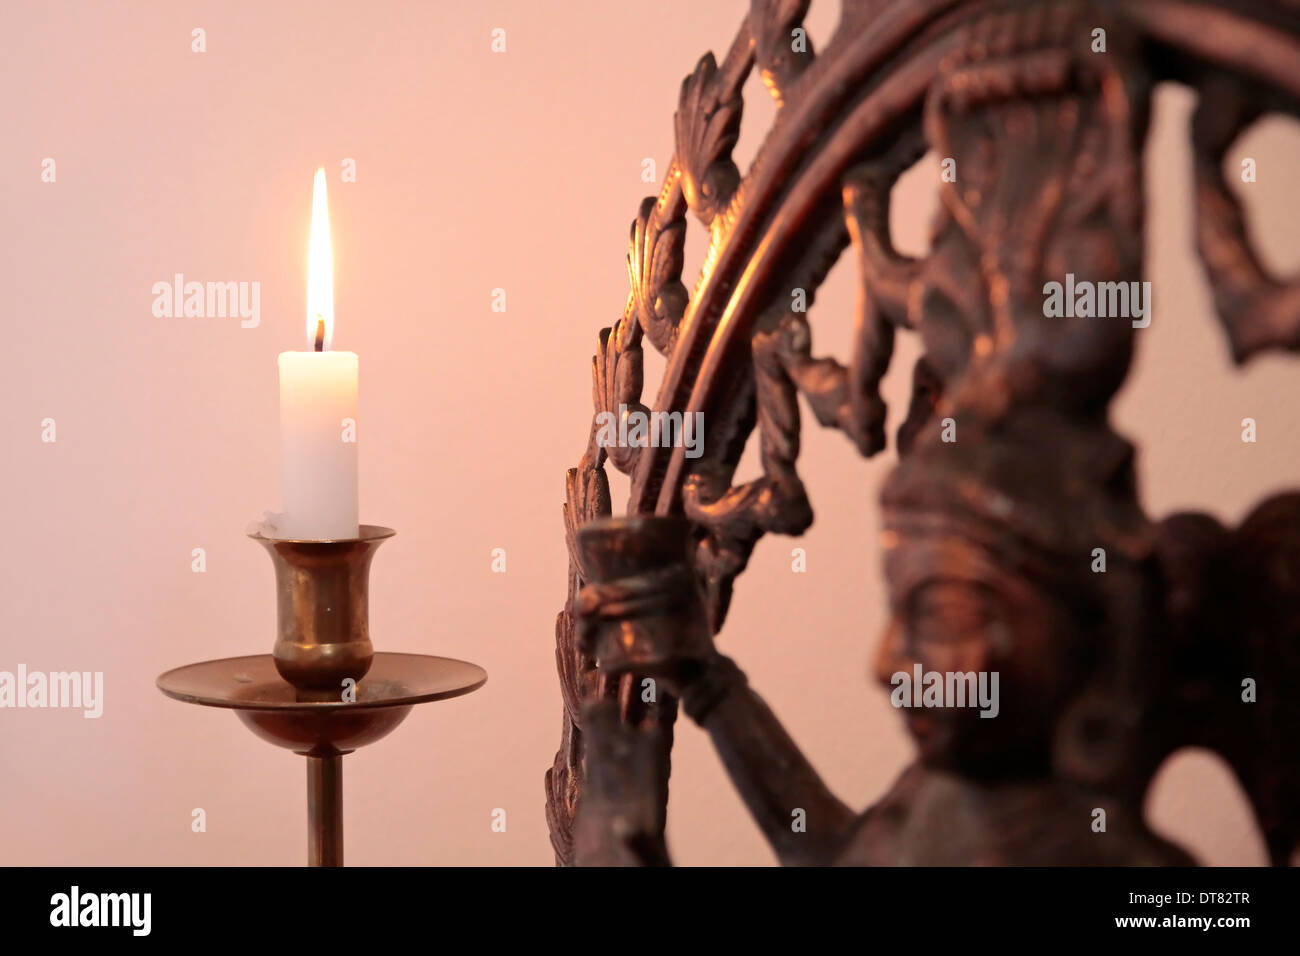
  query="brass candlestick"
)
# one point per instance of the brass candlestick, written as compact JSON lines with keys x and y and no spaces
{"x":324,"y":691}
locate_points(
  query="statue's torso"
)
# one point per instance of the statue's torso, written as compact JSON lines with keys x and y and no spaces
{"x":934,"y":818}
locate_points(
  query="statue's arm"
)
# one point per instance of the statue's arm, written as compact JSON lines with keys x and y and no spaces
{"x":805,"y":823}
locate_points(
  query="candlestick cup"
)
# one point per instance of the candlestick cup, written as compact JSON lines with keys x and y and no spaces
{"x":322,"y":608}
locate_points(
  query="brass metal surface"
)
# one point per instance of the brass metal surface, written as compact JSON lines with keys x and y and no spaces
{"x":322,"y":607}
{"x":325,"y":810}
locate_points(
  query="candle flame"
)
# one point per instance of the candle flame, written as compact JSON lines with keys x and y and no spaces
{"x":320,"y":271}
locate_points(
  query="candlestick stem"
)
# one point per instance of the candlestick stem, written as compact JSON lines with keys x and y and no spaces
{"x":325,"y":810}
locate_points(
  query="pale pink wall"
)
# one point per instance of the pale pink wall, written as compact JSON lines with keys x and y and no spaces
{"x":474,"y":171}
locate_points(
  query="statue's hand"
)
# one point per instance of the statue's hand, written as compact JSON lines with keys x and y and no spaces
{"x":641,"y":609}
{"x":653,"y":623}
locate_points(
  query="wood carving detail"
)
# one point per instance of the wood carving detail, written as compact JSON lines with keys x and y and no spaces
{"x":988,"y":538}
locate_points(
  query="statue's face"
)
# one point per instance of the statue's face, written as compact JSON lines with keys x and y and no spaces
{"x":954,"y":612}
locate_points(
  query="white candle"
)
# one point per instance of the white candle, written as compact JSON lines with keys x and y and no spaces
{"x":318,"y":409}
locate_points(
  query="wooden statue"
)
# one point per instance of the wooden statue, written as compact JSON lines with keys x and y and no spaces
{"x":1014,"y":542}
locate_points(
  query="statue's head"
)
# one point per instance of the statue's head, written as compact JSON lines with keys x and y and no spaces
{"x":1016,"y":550}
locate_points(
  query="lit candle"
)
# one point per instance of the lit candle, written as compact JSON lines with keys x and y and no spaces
{"x":318,"y":409}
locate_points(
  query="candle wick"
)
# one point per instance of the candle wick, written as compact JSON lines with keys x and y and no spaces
{"x":320,"y":334}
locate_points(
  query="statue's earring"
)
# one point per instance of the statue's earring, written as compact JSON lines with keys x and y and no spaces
{"x":1093,"y":742}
